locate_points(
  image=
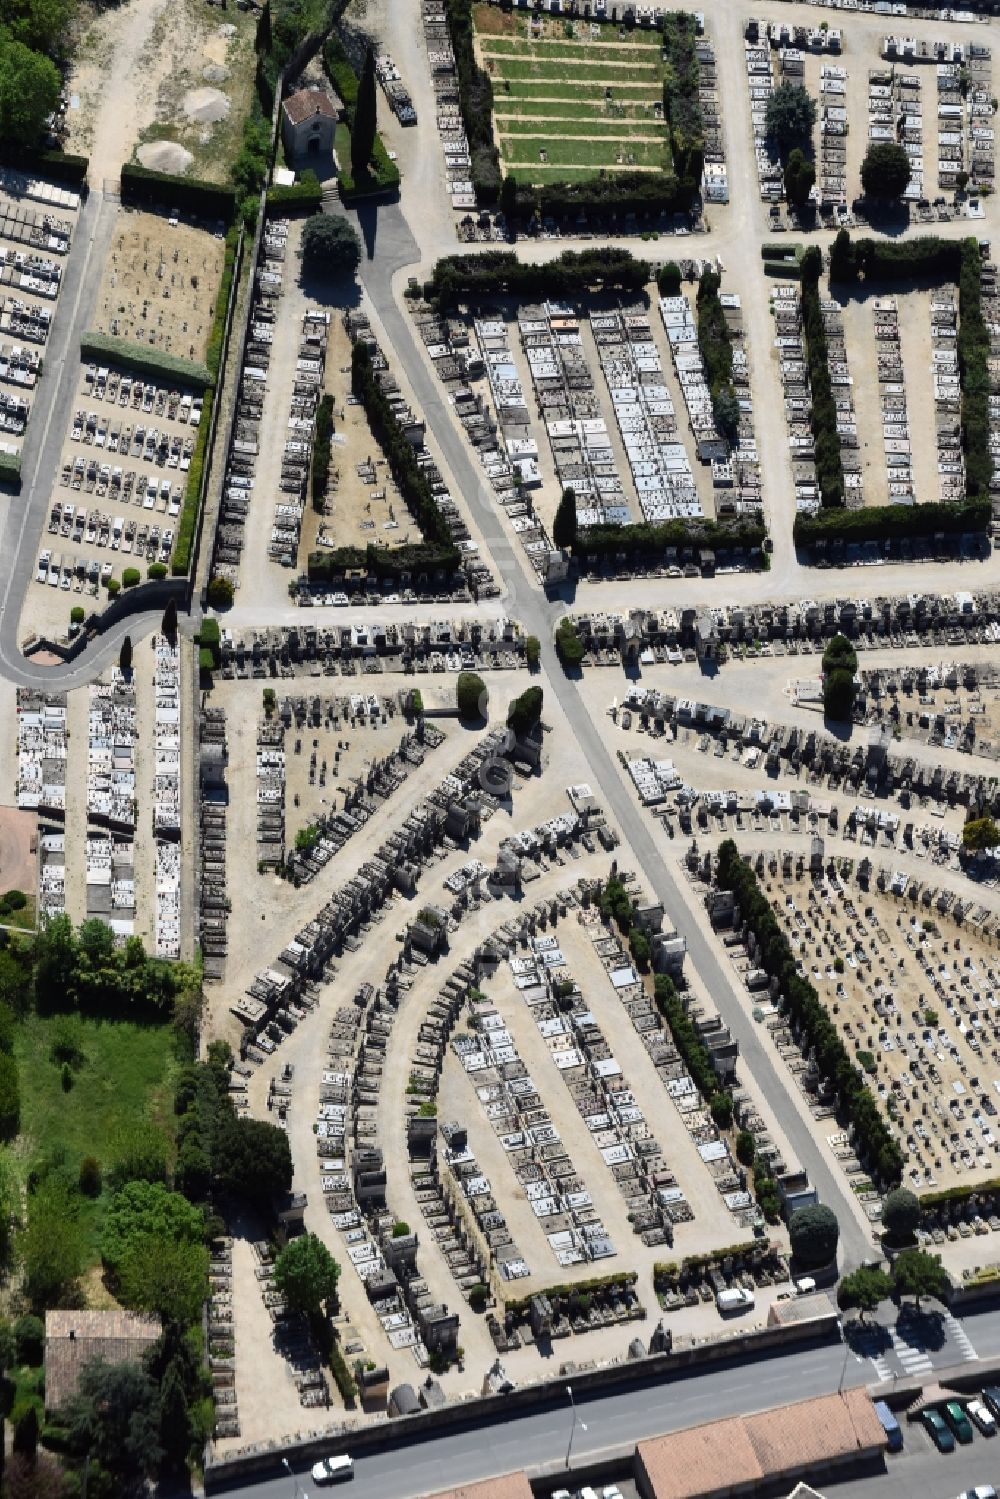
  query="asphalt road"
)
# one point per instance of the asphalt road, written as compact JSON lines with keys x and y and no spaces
{"x":613,"y":1421}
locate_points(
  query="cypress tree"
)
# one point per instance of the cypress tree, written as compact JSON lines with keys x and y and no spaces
{"x":363,"y":128}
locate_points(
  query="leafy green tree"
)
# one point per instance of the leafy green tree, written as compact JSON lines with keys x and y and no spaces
{"x":168,"y":1277}
{"x":569,"y":646}
{"x":726,"y":414}
{"x":532,"y":650}
{"x":306,"y":1274}
{"x":813,"y":1234}
{"x":144,"y":1210}
{"x":791,"y":115}
{"x":254,"y":1160}
{"x":220,"y":594}
{"x":15,"y":982}
{"x":26,"y":1431}
{"x":866,"y":1288}
{"x":980,"y":833}
{"x":840,"y":653}
{"x":29,"y":1340}
{"x":843,"y":260}
{"x":40,"y":1478}
{"x":721,"y":1109}
{"x":800,"y":177}
{"x":29,"y":91}
{"x":38,"y":24}
{"x":901,"y":1216}
{"x":365,"y":120}
{"x":564,"y":527}
{"x":885,"y":171}
{"x":138,"y":1153}
{"x":115,"y":1417}
{"x":471,"y":696}
{"x":330,"y":245}
{"x":176,"y":1430}
{"x":51,"y":1244}
{"x":917,"y":1274}
{"x":668,"y":282}
{"x":55,"y":963}
{"x":746,"y":1147}
{"x":838,"y":696}
{"x":525,"y":711}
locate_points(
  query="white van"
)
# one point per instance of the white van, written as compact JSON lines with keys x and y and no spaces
{"x":332,"y":1469}
{"x":737,"y":1299}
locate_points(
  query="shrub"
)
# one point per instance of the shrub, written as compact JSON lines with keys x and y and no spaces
{"x":471,"y":696}
{"x":91,"y":1179}
{"x":400,"y":1230}
{"x":901,"y":1216}
{"x":103,"y":348}
{"x":478,"y":1298}
{"x":77,"y":614}
{"x":525,"y":711}
{"x":143,"y":186}
{"x":569,"y":646}
{"x":29,"y":1340}
{"x":130,"y":577}
{"x":219,"y":594}
{"x":532,"y":650}
{"x":746,"y":1147}
{"x":114,"y":588}
{"x":668,"y":282}
{"x":813,"y":1234}
{"x":156,"y":570}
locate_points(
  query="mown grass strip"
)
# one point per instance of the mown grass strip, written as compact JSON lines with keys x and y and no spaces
{"x":627,"y":132}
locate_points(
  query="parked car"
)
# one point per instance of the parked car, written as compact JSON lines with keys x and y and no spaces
{"x":991,"y":1399}
{"x":983,"y":1417}
{"x":959,"y":1422}
{"x":938,"y":1430}
{"x":891,"y":1427}
{"x":981,"y":1491}
{"x":332,"y":1469}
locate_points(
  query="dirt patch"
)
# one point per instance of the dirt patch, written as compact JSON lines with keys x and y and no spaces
{"x":18,"y":844}
{"x":165,"y":156}
{"x":160,"y":284}
{"x":206,"y":104}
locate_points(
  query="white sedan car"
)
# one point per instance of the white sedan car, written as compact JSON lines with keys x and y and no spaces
{"x":983,"y":1417}
{"x":332,"y":1469}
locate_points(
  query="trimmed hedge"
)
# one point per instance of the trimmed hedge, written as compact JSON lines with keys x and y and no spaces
{"x":493,"y":273}
{"x":618,"y":1280}
{"x":145,"y":188}
{"x":413,"y":483}
{"x":475,"y":101}
{"x":651,"y":541}
{"x":321,"y":451}
{"x":810,"y":1019}
{"x":888,"y":522}
{"x":61,"y":165}
{"x":213,"y":352}
{"x":180,"y":562}
{"x":10,"y":470}
{"x":308,"y":195}
{"x":381,"y":563}
{"x":682,"y":101}
{"x":823,"y":407}
{"x":714,"y":342}
{"x":102,"y":348}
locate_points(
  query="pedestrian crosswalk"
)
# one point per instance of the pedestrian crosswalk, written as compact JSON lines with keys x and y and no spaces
{"x":958,"y":1335}
{"x":913,"y":1360}
{"x":896,"y":1357}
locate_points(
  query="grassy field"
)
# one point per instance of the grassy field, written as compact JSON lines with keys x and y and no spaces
{"x":586,"y":93}
{"x":123,"y":1080}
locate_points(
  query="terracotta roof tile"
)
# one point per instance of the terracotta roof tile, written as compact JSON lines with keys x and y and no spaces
{"x":307,"y":102}
{"x":507,"y":1486}
{"x":75,"y":1339}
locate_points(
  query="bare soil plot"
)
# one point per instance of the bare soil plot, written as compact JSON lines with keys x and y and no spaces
{"x":18,"y":857}
{"x":572,"y":99}
{"x":160,"y":283}
{"x":915,"y":1000}
{"x":365,"y":506}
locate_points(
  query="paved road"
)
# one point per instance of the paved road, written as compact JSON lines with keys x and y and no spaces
{"x":40,"y":458}
{"x":615,"y":1420}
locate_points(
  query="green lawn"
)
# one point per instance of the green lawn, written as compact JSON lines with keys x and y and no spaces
{"x":125,"y":1077}
{"x":585,"y":111}
{"x":550,"y":90}
{"x":604,"y":153}
{"x":589,"y":130}
{"x":592,"y":72}
{"x":618,"y":52}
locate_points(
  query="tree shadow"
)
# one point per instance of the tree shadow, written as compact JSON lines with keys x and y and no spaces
{"x":867,"y":1338}
{"x":924,"y":1329}
{"x":329,"y":290}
